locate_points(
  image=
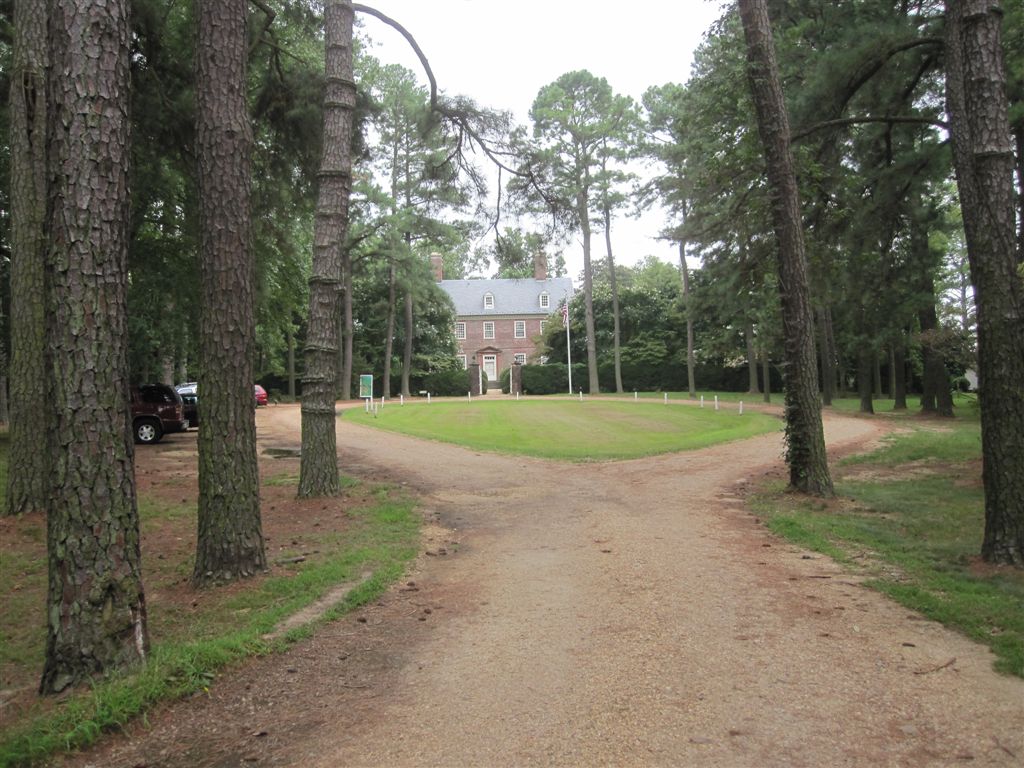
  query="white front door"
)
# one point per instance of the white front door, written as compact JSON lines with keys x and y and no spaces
{"x":491,"y":367}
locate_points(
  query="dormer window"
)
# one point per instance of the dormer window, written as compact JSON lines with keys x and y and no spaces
{"x":488,"y":300}
{"x":545,"y":300}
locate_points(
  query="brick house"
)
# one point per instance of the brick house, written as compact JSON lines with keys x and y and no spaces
{"x":499,"y":321}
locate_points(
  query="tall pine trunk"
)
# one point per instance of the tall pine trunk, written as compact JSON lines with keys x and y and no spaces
{"x":318,"y":472}
{"x":582,"y":210}
{"x":96,"y":610}
{"x":805,"y":438}
{"x":28,"y":464}
{"x":614,"y":285}
{"x":410,"y":329}
{"x":389,"y":326}
{"x":828,"y":380}
{"x":865,"y":365}
{"x":766,"y":372}
{"x":983,"y":157}
{"x":899,"y":365}
{"x":348,"y":325}
{"x":752,"y":387}
{"x":684,"y":270}
{"x":229,"y":542}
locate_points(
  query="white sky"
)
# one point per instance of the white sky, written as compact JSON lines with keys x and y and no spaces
{"x":501,"y":52}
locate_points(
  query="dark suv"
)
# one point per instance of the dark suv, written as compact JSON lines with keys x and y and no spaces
{"x":156,"y":409}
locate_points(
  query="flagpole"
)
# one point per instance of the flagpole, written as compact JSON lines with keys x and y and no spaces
{"x":568,"y":350}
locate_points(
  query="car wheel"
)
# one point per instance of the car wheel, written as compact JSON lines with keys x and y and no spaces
{"x":147,"y":431}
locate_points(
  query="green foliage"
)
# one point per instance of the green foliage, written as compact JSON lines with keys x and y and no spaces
{"x":914,"y":524}
{"x":452,"y":383}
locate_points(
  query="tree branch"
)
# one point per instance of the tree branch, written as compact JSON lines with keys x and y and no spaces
{"x":270,"y":16}
{"x":889,"y":119}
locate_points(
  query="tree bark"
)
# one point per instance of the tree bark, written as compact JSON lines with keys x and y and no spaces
{"x":229,"y":543}
{"x":28,"y":465}
{"x":684,"y":270}
{"x":805,"y":439}
{"x":983,"y":158}
{"x":96,"y":609}
{"x":876,"y":375}
{"x":291,"y":362}
{"x":318,"y":472}
{"x":766,"y":372}
{"x":583,"y":211}
{"x":865,"y":364}
{"x":389,"y":333}
{"x":752,"y":387}
{"x":614,"y":284}
{"x":936,"y":395}
{"x":410,"y":329}
{"x":900,"y":371}
{"x":1018,"y":136}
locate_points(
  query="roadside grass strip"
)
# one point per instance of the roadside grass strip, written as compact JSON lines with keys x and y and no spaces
{"x":910,"y":516}
{"x":191,"y":648}
{"x":593,"y":430}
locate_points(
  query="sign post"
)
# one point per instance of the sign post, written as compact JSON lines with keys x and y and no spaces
{"x":366,"y":387}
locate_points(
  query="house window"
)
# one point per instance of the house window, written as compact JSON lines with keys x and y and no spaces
{"x":521,"y":358}
{"x":488,"y":330}
{"x":520,"y":329}
{"x":460,"y":330}
{"x":462,"y":359}
{"x":488,"y":301}
{"x":545,"y":300}
{"x":543,"y":325}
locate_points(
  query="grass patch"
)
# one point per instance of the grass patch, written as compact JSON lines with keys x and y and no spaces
{"x":284,"y":479}
{"x":568,"y":429}
{"x":911,"y":515}
{"x":191,"y":646}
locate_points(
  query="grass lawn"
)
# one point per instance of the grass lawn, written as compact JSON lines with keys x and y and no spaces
{"x":911,"y":516}
{"x":311,"y":547}
{"x":569,"y":429}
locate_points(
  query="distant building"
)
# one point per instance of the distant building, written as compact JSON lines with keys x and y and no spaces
{"x":500,"y":321}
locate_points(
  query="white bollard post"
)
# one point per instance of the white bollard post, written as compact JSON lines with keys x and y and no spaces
{"x":741,"y":407}
{"x":702,"y":401}
{"x":635,"y":395}
{"x":428,"y":398}
{"x":581,"y":394}
{"x":401,"y":399}
{"x":382,"y":402}
{"x":517,"y":395}
{"x":666,"y":398}
{"x":470,"y":394}
{"x":367,"y":401}
{"x":716,"y":402}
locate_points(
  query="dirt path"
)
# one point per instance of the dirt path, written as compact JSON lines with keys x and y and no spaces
{"x":626,"y":613}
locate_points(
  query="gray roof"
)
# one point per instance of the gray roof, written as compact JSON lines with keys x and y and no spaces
{"x":511,"y":297}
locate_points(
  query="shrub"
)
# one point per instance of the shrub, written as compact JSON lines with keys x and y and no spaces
{"x":447,"y":383}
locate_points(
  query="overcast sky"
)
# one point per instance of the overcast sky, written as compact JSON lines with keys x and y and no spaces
{"x":501,"y":52}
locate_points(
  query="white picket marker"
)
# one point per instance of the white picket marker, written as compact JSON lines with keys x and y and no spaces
{"x":401,"y":399}
{"x":741,"y":407}
{"x":428,"y":398}
{"x":470,"y":393}
{"x":367,"y":401}
{"x":635,"y":395}
{"x":702,"y":401}
{"x":581,"y":395}
{"x":666,"y":398}
{"x":716,"y":402}
{"x":517,"y":395}
{"x":382,"y":402}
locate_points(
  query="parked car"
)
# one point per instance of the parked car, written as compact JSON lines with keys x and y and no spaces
{"x":261,"y":395}
{"x":156,"y":409}
{"x":190,"y":397}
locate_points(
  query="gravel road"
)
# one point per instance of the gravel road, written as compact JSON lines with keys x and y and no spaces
{"x":618,"y":613}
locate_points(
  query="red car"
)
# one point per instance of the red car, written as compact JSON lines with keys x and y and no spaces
{"x":261,"y":395}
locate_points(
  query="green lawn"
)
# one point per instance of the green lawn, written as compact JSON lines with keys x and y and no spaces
{"x":911,"y":516}
{"x":569,"y":429}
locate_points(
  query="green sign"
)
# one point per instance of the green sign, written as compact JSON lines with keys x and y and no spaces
{"x":366,"y":386}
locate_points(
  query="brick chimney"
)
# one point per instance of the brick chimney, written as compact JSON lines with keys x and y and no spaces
{"x":540,"y":266}
{"x":437,"y":264}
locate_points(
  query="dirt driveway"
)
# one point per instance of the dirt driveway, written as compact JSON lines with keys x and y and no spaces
{"x":622,"y":613}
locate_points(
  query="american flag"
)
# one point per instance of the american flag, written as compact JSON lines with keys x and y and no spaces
{"x":565,"y":314}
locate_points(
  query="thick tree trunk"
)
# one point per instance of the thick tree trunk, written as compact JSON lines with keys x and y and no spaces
{"x":865,"y":364}
{"x":805,"y":439}
{"x":318,"y":472}
{"x":614,"y":284}
{"x":96,"y":611}
{"x":28,"y":466}
{"x":229,"y":544}
{"x":752,"y":387}
{"x":876,"y":375}
{"x":348,"y":329}
{"x":983,"y":157}
{"x":835,"y":372}
{"x":766,"y":373}
{"x":936,"y":396}
{"x":900,"y":370}
{"x":410,"y":329}
{"x":588,"y":293}
{"x":1018,"y":136}
{"x":892,"y":372}
{"x":690,"y":364}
